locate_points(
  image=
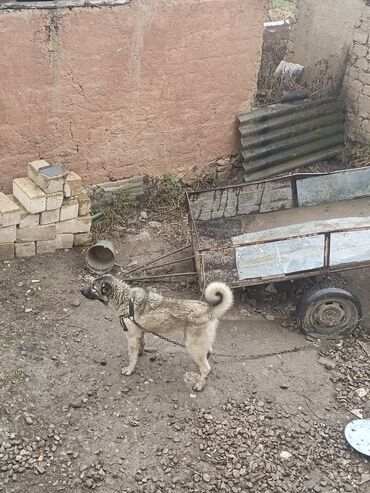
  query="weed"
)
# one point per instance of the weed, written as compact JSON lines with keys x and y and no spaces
{"x":282,"y":9}
{"x":4,"y":337}
{"x":12,"y":377}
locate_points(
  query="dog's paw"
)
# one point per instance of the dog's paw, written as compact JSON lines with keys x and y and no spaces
{"x":199,"y":386}
{"x":127,"y":371}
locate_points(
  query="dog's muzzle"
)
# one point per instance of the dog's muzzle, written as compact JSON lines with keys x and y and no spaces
{"x":89,"y":293}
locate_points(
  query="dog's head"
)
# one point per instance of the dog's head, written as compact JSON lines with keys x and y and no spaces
{"x":101,"y":289}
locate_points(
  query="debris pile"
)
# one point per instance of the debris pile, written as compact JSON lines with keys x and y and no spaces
{"x":20,"y":454}
{"x":254,"y":446}
{"x":48,"y":210}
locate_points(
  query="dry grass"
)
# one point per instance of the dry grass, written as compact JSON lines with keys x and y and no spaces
{"x":163,"y":201}
{"x":282,"y":9}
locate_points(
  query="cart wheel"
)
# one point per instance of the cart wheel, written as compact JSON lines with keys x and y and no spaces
{"x":328,"y":313}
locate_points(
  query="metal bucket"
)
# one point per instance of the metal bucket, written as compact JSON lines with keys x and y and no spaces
{"x":101,"y":258}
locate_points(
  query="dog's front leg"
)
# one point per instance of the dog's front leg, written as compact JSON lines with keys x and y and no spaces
{"x":141,"y":345}
{"x":134,"y":338}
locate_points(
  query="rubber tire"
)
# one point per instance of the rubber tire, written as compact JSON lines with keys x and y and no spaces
{"x":318,"y":294}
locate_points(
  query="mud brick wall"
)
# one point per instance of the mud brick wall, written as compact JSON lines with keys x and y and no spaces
{"x":120,"y":91}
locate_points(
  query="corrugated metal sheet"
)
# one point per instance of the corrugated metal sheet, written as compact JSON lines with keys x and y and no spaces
{"x":283,"y":137}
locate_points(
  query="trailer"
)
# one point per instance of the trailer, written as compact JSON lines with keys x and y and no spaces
{"x":298,"y":226}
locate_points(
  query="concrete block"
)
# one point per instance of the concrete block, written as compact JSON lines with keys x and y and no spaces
{"x":72,"y":184}
{"x":8,"y":234}
{"x":82,"y":239}
{"x":84,"y":204}
{"x":26,"y":219}
{"x":78,"y":225}
{"x":64,"y":241}
{"x":54,"y":201}
{"x":49,"y":183}
{"x":49,"y":217}
{"x":47,"y":246}
{"x":37,"y":233}
{"x":6,"y":250}
{"x":25,"y":249}
{"x":29,"y":220}
{"x":10,"y":213}
{"x":29,"y":195}
{"x":69,"y":209}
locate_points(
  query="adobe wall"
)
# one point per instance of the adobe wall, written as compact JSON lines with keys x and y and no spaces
{"x":147,"y":87}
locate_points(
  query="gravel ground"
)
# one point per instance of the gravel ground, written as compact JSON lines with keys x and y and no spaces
{"x":270,"y":419}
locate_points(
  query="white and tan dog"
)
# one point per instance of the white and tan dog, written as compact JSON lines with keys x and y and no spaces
{"x":143,"y":310}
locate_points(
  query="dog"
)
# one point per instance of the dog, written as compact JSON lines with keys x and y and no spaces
{"x":143,"y":310}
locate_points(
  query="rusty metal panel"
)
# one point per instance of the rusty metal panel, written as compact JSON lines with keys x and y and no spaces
{"x":337,"y":186}
{"x":349,"y":247}
{"x":245,"y":199}
{"x":280,"y":257}
{"x":302,"y":229}
{"x":282,"y":137}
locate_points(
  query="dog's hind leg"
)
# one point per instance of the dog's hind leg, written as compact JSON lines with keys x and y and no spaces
{"x":134,"y":343}
{"x":199,"y":347}
{"x":200,"y":358}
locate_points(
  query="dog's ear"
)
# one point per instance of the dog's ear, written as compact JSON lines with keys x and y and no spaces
{"x":106,"y":288}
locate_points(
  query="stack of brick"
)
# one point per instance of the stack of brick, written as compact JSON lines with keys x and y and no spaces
{"x":47,"y":211}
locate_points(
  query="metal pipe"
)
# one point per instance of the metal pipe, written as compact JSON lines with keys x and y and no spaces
{"x":158,"y":258}
{"x":160,"y":276}
{"x":170,"y":263}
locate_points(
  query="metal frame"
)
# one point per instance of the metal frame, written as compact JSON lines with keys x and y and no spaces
{"x":199,"y":251}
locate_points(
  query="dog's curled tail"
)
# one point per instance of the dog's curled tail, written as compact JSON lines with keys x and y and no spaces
{"x":219,"y":297}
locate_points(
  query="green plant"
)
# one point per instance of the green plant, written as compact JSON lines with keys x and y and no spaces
{"x":172,"y":182}
{"x":14,"y":376}
{"x":282,"y":4}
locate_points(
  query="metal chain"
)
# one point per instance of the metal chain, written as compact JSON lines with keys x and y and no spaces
{"x":132,"y":319}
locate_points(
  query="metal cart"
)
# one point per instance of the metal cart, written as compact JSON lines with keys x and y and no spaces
{"x":298,"y":226}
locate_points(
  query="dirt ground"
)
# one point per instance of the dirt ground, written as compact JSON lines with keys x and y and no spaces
{"x":270,"y":419}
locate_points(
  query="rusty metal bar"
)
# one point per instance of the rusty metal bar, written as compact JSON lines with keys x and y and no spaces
{"x":172,"y":262}
{"x":298,"y":275}
{"x":327,"y":252}
{"x":271,"y":179}
{"x":229,"y":246}
{"x":159,"y":276}
{"x":158,"y":258}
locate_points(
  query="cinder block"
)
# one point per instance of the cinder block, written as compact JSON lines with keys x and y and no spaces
{"x":78,"y":225}
{"x":8,"y":234}
{"x":49,"y":217}
{"x":64,"y":241}
{"x":47,"y":246}
{"x":29,"y":195}
{"x":84,"y":204}
{"x":27,"y":219}
{"x":72,"y":185}
{"x":6,"y":250}
{"x":37,"y":233}
{"x":82,"y":239}
{"x":54,"y":201}
{"x":49,"y":178}
{"x":69,"y":209}
{"x":10,"y":213}
{"x":25,"y":249}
